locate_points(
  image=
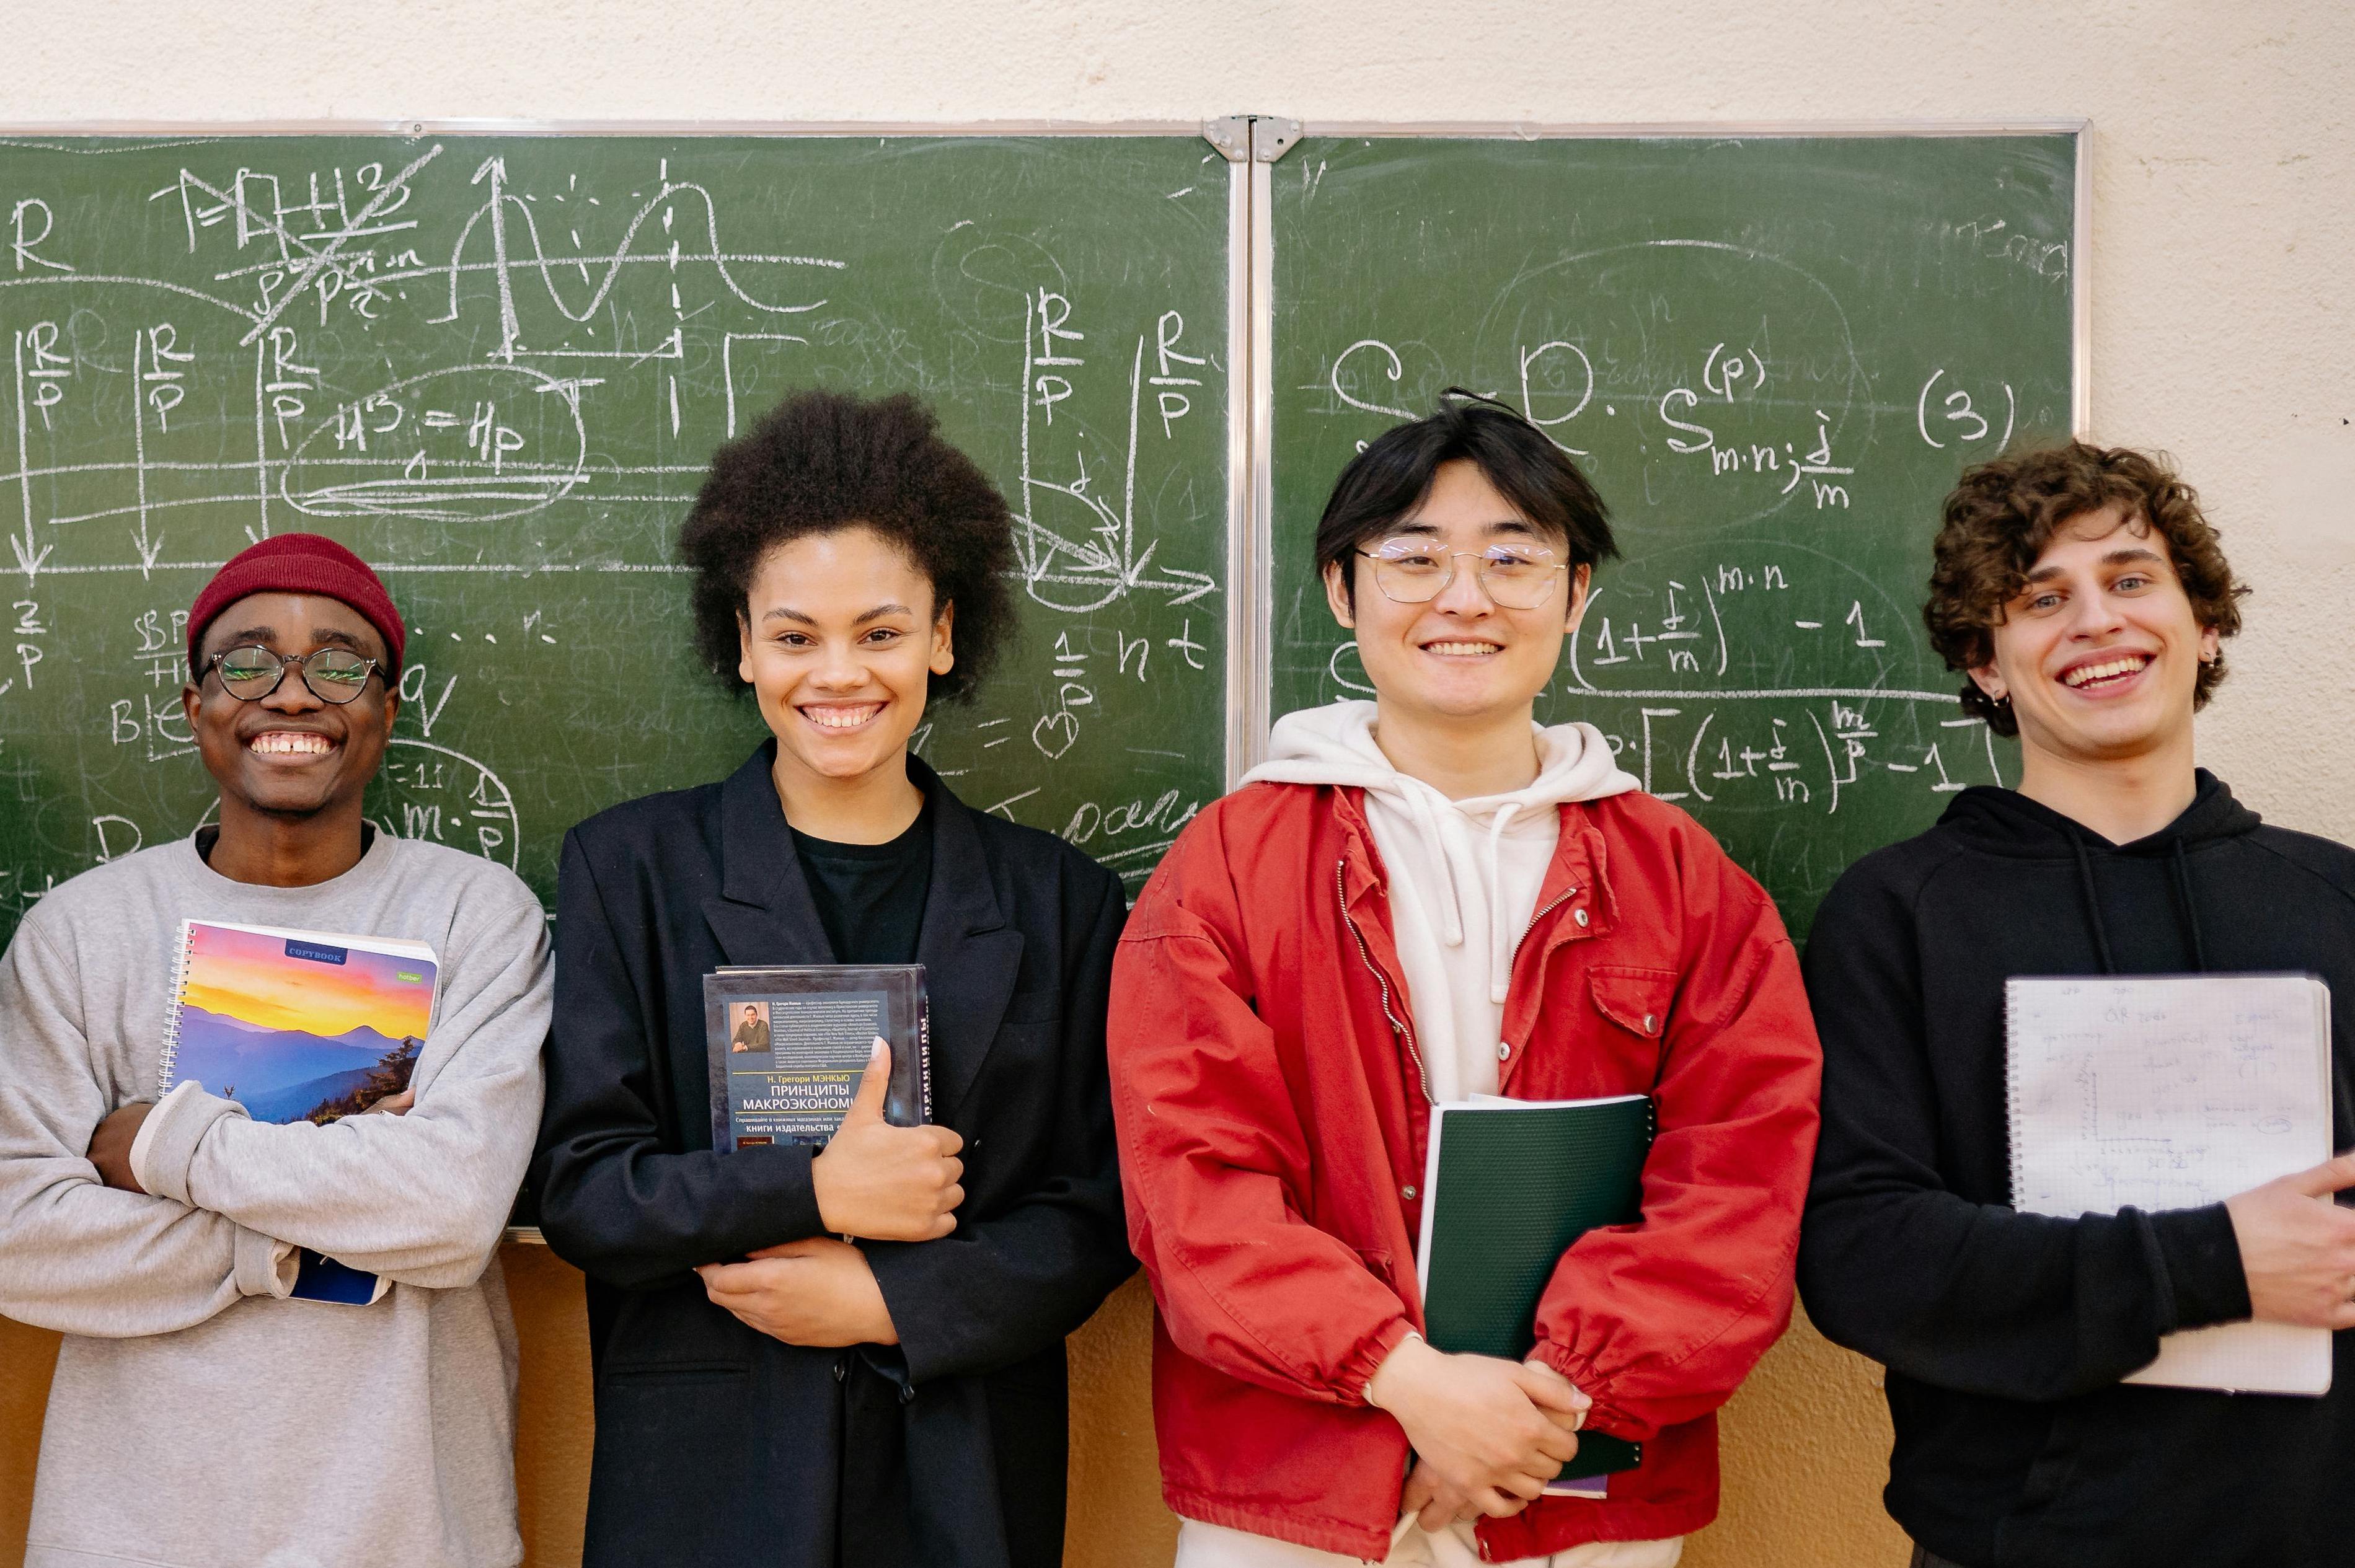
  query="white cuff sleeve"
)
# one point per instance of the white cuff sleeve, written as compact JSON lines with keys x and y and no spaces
{"x":145,"y":1142}
{"x":265,"y":1266}
{"x":167,"y":1140}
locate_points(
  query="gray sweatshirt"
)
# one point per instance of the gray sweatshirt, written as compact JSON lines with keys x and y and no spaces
{"x":199,"y":1419}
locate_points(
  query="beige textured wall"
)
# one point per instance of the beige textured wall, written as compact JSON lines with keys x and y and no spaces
{"x":2222,"y":226}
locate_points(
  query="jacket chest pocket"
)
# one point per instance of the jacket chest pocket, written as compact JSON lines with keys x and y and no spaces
{"x":1019,"y":1069}
{"x":1031,"y":1032}
{"x":1633,"y":1004}
{"x":1041,"y":1006}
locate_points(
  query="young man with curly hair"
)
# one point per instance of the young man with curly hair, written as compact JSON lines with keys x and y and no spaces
{"x":1430,"y":897}
{"x":853,"y":1357}
{"x":2087,"y":600}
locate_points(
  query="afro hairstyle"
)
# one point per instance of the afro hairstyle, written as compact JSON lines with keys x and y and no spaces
{"x":823,"y":461}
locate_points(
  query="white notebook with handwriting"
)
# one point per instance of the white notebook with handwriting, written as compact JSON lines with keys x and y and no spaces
{"x":2172,"y":1092}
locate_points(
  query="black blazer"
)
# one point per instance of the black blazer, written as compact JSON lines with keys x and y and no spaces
{"x":715,"y":1443}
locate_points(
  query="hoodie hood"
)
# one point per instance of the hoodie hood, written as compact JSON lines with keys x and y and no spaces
{"x":1334,"y":746}
{"x":2006,"y":823}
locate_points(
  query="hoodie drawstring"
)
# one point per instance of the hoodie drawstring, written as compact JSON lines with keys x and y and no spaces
{"x":1427,"y":805}
{"x":2189,"y":909}
{"x":2093,"y":904}
{"x":2186,"y":907}
{"x":1426,"y":818}
{"x":1500,"y":947}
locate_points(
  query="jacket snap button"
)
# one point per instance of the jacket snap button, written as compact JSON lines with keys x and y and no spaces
{"x":1504,"y":1052}
{"x":1648,"y":1024}
{"x":1407,"y":1192}
{"x":1579,"y":916}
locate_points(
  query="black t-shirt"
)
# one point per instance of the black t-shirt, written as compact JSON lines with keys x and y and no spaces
{"x":871,"y":897}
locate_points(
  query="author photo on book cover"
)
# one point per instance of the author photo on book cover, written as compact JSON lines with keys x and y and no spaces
{"x":751,"y":1034}
{"x":286,"y":1331}
{"x":767,"y":1389}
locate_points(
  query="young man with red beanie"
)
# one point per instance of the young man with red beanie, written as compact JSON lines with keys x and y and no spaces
{"x":1425,"y":898}
{"x":199,"y":1418}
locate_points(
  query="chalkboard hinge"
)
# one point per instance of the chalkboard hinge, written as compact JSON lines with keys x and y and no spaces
{"x":1231,"y":134}
{"x":1252,"y":138}
{"x":1272,"y":137}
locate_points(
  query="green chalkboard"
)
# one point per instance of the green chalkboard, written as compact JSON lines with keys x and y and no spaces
{"x":1773,"y":356}
{"x":497,"y":367}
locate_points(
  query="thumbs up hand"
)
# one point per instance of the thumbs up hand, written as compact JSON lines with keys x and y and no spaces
{"x":886,"y":1183}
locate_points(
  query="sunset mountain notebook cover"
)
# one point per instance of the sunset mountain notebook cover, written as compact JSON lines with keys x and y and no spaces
{"x":299,"y":1026}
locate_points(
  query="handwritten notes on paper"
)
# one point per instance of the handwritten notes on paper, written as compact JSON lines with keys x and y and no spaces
{"x":2172,"y":1092}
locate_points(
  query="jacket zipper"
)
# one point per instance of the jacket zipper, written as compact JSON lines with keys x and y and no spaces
{"x":1341,"y":892}
{"x":1567,"y":895}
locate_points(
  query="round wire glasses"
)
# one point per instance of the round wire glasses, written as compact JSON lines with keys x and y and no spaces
{"x":1412,"y":570}
{"x":250,"y":673}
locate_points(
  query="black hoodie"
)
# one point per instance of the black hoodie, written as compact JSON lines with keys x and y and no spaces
{"x":2005,"y":1334}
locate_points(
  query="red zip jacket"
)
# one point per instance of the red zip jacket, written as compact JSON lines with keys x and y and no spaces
{"x":1273,"y":1121}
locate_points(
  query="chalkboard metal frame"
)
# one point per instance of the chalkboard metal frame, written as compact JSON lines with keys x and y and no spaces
{"x":1250,"y":630}
{"x":1273,"y":137}
{"x":18,"y":131}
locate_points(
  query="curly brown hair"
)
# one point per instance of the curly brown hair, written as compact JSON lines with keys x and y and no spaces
{"x":1998,"y":519}
{"x":821,"y":461}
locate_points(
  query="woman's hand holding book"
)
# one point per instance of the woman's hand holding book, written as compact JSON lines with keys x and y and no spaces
{"x":886,"y":1183}
{"x":818,"y":1291}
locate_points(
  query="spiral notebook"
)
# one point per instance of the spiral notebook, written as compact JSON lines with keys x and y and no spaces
{"x":2173,"y":1092}
{"x":298,"y":1026}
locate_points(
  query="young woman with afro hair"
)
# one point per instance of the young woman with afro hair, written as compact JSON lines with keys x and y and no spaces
{"x":852,"y":1356}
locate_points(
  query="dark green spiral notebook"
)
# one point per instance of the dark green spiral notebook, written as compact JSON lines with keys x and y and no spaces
{"x":1508,"y":1185}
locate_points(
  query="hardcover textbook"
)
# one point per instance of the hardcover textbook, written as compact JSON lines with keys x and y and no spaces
{"x":789,"y":1047}
{"x":1508,"y":1185}
{"x":298,"y":1026}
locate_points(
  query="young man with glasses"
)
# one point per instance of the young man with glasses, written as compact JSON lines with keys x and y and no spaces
{"x":2086,"y":598}
{"x":199,"y":1416}
{"x":1424,"y":898}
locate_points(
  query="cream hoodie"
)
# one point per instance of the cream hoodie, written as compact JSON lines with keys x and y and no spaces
{"x":1464,"y":874}
{"x":1463,"y":878}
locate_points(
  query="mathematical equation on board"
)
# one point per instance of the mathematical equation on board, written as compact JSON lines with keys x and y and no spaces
{"x":1754,"y":692}
{"x":485,"y":380}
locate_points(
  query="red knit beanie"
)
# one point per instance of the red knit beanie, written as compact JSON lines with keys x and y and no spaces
{"x":301,"y":563}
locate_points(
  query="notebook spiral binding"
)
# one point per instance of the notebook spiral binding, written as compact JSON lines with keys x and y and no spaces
{"x":171,"y":1057}
{"x":2012,"y":1118}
